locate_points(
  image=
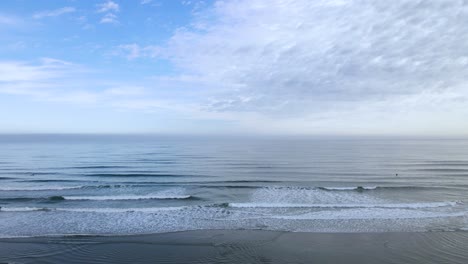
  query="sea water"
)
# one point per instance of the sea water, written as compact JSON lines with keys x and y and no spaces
{"x":120,"y":185}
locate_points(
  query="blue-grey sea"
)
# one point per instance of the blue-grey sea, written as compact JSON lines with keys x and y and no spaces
{"x":121,"y":185}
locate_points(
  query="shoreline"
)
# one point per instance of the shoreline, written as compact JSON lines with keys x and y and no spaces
{"x":241,"y":246}
{"x":118,"y":236}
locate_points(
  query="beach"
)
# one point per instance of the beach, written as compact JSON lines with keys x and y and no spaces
{"x":241,"y":246}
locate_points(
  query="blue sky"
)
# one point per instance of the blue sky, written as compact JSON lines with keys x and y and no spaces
{"x":242,"y":66}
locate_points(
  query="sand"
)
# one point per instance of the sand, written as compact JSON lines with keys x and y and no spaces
{"x":241,"y":246}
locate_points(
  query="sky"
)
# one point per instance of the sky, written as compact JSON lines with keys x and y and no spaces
{"x":293,"y":67}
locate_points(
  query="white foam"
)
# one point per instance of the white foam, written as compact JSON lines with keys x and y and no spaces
{"x":297,"y":195}
{"x":374,"y":213}
{"x":22,"y":209}
{"x":123,"y":210}
{"x":342,"y":205}
{"x":349,"y":188}
{"x":127,"y":197}
{"x":170,"y":219}
{"x":93,"y":210}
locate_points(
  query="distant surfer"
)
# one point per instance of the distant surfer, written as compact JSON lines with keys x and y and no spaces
{"x":396,"y":174}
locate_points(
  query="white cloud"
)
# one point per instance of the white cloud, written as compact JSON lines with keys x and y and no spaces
{"x":126,"y":91}
{"x":54,"y":80}
{"x":133,"y":51}
{"x":294,"y":66}
{"x":8,"y":20}
{"x":54,"y":13}
{"x":12,"y":71}
{"x":108,"y":6}
{"x":332,"y":50}
{"x":109,"y":19}
{"x":301,"y":59}
{"x":43,"y":79}
{"x":144,"y":2}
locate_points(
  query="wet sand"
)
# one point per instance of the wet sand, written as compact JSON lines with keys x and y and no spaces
{"x":241,"y":246}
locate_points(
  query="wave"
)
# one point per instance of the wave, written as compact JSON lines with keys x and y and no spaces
{"x":128,"y":197}
{"x":344,"y":205}
{"x":368,"y":188}
{"x":20,"y":199}
{"x":51,"y":180}
{"x":369,"y":213}
{"x":310,"y":195}
{"x":355,"y":210}
{"x":23,"y":209}
{"x":58,"y":188}
{"x":244,"y":181}
{"x":57,"y":198}
{"x":29,"y":173}
{"x":29,"y":199}
{"x":107,"y":186}
{"x":123,"y":210}
{"x":209,"y":185}
{"x":233,"y":186}
{"x":41,"y":188}
{"x":99,"y":167}
{"x":131,"y":220}
{"x":92,"y":210}
{"x":441,"y":170}
{"x":357,"y":188}
{"x":137,"y":175}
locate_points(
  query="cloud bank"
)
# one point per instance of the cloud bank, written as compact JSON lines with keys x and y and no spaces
{"x":302,"y":56}
{"x":330,"y":65}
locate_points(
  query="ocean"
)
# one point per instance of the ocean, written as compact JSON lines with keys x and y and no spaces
{"x":55,"y":185}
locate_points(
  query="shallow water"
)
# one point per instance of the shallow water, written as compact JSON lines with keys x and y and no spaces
{"x":54,"y":185}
